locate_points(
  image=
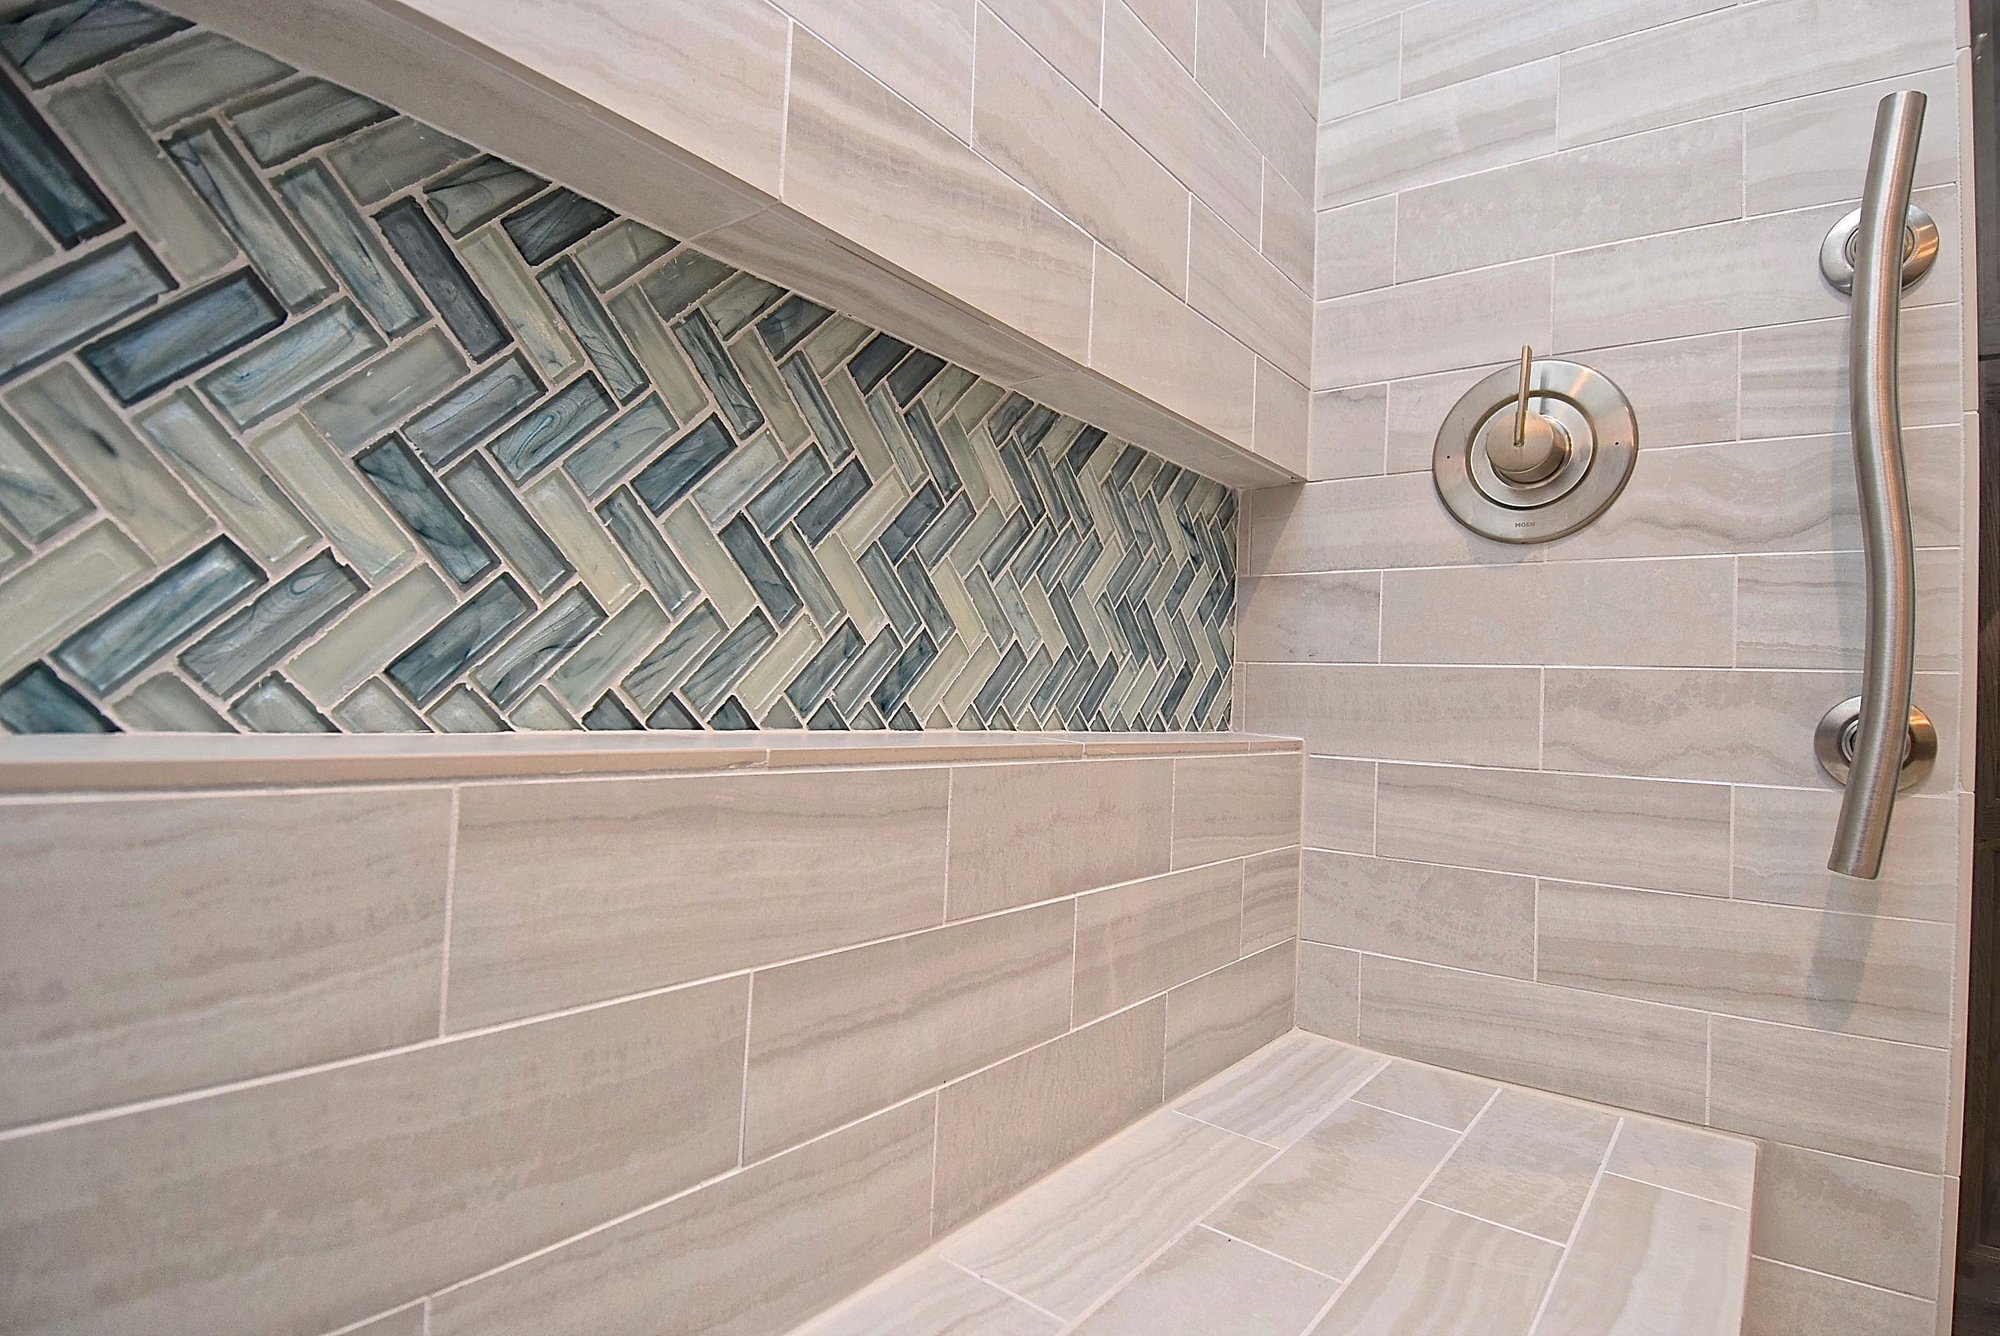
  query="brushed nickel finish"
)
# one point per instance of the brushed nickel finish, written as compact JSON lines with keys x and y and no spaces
{"x":1843,"y":243}
{"x":1838,"y":734}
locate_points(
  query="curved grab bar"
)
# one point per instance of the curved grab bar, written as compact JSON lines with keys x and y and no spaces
{"x":1890,"y":655}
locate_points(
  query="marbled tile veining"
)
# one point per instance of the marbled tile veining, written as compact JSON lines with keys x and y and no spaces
{"x":1318,"y":1189}
{"x":329,"y":368}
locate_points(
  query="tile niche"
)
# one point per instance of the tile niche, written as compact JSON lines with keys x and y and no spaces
{"x":314,"y":418}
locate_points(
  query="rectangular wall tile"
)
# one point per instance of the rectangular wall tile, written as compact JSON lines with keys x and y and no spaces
{"x":1692,"y":1275}
{"x":1527,"y":1162}
{"x":336,"y":1195}
{"x":1782,"y":838}
{"x":1785,"y":1299}
{"x":1361,"y":524}
{"x":1231,"y":283}
{"x":1481,"y":921}
{"x":839,"y":1036}
{"x":1270,"y":899}
{"x":1340,"y":804}
{"x":1434,"y":324}
{"x":1140,"y":939}
{"x":1329,"y":991}
{"x":1448,"y":42}
{"x":877,"y":835}
{"x":1799,"y":152}
{"x":1141,"y":335}
{"x":1465,"y":716}
{"x":1501,"y":118}
{"x":1022,"y":833}
{"x":1850,"y":1218}
{"x":1230,"y":807}
{"x":1331,"y":618}
{"x":1436,"y":1260}
{"x":1223,"y":1017}
{"x":1809,"y":610}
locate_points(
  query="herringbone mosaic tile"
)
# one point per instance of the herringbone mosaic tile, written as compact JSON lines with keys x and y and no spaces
{"x":314,"y":418}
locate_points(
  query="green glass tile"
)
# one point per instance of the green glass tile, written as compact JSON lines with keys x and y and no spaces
{"x":540,"y":713}
{"x":376,"y":631}
{"x":64,"y":588}
{"x":376,"y":708}
{"x":21,"y":242}
{"x":663,"y":666}
{"x":174,"y":80}
{"x":671,"y":373}
{"x":378,"y":396}
{"x":462,"y":711}
{"x":250,"y":505}
{"x":492,"y":506}
{"x":36,"y":496}
{"x":291,"y":608}
{"x":482,"y":189}
{"x":173,"y":606}
{"x":234,"y":194}
{"x":165,"y":704}
{"x":509,"y":672}
{"x":584,"y":541}
{"x":275,"y":706}
{"x":388,"y":157}
{"x":714,"y":570}
{"x":332,"y":494}
{"x":589,"y":673}
{"x":761,"y":375}
{"x":744,"y":474}
{"x":291,"y":364}
{"x":521,"y":304}
{"x":301,"y":116}
{"x":620,"y":251}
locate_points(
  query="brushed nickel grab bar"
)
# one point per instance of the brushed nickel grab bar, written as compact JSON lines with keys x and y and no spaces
{"x":1881,"y":739}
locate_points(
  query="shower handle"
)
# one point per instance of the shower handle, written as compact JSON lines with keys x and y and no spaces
{"x":1876,"y":738}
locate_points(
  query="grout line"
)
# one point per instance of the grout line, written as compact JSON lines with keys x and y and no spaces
{"x":1845,"y":1280}
{"x":743,"y":1100}
{"x":1223,"y":1233}
{"x":1678,"y":1192}
{"x":1497,"y":1224}
{"x":1589,"y":1198}
{"x":994,"y":1284}
{"x":450,"y":885}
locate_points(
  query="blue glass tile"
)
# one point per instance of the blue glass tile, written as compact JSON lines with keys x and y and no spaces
{"x":492,"y":506}
{"x":275,"y":374}
{"x":559,"y":422}
{"x":881,"y":577}
{"x":363,"y":265}
{"x":67,"y":305}
{"x":803,"y":569}
{"x":47,"y":176}
{"x":773,"y":590}
{"x":1052,"y":562}
{"x":1002,"y":419}
{"x":739,"y":301}
{"x":827,"y":428}
{"x":1034,"y":426}
{"x":656,"y":563}
{"x":1045,"y":694}
{"x":903,"y":674}
{"x":1124,"y":467}
{"x":685,"y":463}
{"x":1023,"y":566}
{"x":669,"y":661}
{"x":986,"y":605}
{"x":1170,"y":703}
{"x":445,"y":430}
{"x":826,"y":719}
{"x":275,"y":706}
{"x":633,"y":437}
{"x":443,"y":279}
{"x":578,"y":305}
{"x":937,"y":540}
{"x":300,"y":116}
{"x":414,"y":494}
{"x":427,"y":667}
{"x":1002,"y":677}
{"x":719,"y":374}
{"x":37,"y":701}
{"x":1093,"y":695}
{"x":1082,"y":448}
{"x":789,"y":322}
{"x":610,"y":715}
{"x":789,"y":490}
{"x":876,"y":359}
{"x":904,"y":721}
{"x":36,"y":496}
{"x":910,"y":521}
{"x":182,"y":599}
{"x":917,"y":583}
{"x":864,"y":671}
{"x":911,"y":374}
{"x":1079,"y":682}
{"x":513,"y":669}
{"x":1005,"y":543}
{"x":233,"y":193}
{"x":672,"y":715}
{"x":1206,"y":702}
{"x":481,"y":189}
{"x":1024,"y":484}
{"x":931,"y":446}
{"x":732,"y":717}
{"x":463,"y":710}
{"x":833,"y":501}
{"x":227,"y":658}
{"x":553,"y":223}
{"x":55,"y":41}
{"x":675,"y":285}
{"x":817,"y":677}
{"x":727,"y":662}
{"x":184,"y":335}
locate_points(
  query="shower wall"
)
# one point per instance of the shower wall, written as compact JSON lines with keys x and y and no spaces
{"x":1563,"y":821}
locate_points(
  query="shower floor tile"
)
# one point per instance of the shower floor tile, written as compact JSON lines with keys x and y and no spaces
{"x":1318,"y":1188}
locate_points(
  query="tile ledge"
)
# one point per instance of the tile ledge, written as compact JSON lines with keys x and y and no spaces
{"x":181,"y":761}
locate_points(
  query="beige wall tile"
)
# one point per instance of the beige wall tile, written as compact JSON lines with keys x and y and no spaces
{"x":1361,"y":524}
{"x":1467,"y":127}
{"x":311,"y":1202}
{"x":1795,"y":380}
{"x":1209,"y":1282}
{"x":160,"y":945}
{"x":1434,"y":324}
{"x":1744,"y":56}
{"x":1556,"y":612}
{"x":1329,"y":991}
{"x":1281,"y":1093}
{"x":1850,"y":1218}
{"x":840,"y":1036}
{"x":1528,"y":1162}
{"x":1021,"y":833}
{"x":1436,"y":1270}
{"x":1326,"y":1200}
{"x":1662,"y":181}
{"x":755,"y":1252}
{"x":1340,"y":804}
{"x":1332,"y":618}
{"x":1359,"y":66}
{"x":1034,"y":124}
{"x":1270,"y":899}
{"x":1782,"y":839}
{"x":926,"y":55}
{"x":1143,"y":337}
{"x":1154,"y":96}
{"x":1801,"y":152}
{"x":1784,"y":1300}
{"x":1689,"y":1270}
{"x":1346,"y":433}
{"x":1700,"y":1163}
{"x":1231,"y":283}
{"x":1448,"y":916}
{"x":1069,"y":37}
{"x":1467,"y":716}
{"x":1140,"y":939}
{"x":931,"y":1295}
{"x":1451,"y":40}
{"x":562,"y":895}
{"x":1614,"y":1050}
{"x":1172,"y":22}
{"x":1223,"y":1017}
{"x":1354,"y":248}
{"x":1281,"y":419}
{"x":1230,"y":807}
{"x":1865,"y":1098}
{"x":1003,"y":1128}
{"x":1890,"y":978}
{"x":1809,"y":610}
{"x":1449,"y":1099}
{"x":408,"y":1322}
{"x":1066,"y":1243}
{"x":1287,"y":237}
{"x":845,"y":134}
